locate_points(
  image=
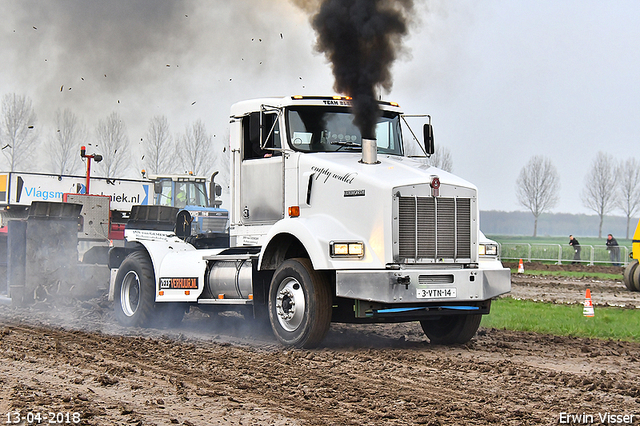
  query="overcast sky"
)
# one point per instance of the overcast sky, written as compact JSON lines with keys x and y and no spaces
{"x":503,"y":80}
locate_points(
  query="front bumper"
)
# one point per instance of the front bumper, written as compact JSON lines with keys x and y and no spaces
{"x":404,"y":285}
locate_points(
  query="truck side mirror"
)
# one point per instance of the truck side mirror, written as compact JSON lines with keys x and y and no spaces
{"x":157,"y":187}
{"x":427,"y":131}
{"x":218,"y":190}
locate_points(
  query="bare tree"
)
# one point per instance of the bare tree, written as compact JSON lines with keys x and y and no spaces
{"x":158,"y":147}
{"x":194,"y":149}
{"x":18,"y":135}
{"x":628,"y":199}
{"x":537,"y":187}
{"x":600,"y":187}
{"x":112,"y":145}
{"x":64,"y":145}
{"x":440,"y":159}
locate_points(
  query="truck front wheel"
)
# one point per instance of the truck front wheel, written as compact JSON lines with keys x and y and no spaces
{"x":299,"y":304}
{"x":135,"y":290}
{"x":451,"y":329}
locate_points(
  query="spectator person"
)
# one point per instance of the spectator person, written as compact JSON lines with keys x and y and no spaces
{"x":576,"y":247}
{"x":614,"y":250}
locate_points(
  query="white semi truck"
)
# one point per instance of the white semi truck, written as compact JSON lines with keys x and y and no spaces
{"x":324,"y":226}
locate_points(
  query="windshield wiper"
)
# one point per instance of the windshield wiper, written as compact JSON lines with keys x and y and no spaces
{"x":347,"y":144}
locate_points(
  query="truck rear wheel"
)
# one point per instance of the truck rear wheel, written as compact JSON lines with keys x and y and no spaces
{"x":451,"y":329}
{"x":135,"y":290}
{"x":628,"y":275}
{"x":299,"y":304}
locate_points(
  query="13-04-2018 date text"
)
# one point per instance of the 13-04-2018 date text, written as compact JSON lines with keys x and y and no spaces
{"x":59,"y":418}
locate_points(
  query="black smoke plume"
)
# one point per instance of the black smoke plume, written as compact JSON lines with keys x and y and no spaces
{"x":361,"y":39}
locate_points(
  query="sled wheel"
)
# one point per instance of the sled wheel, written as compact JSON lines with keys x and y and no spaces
{"x":299,"y":304}
{"x":134,"y":292}
{"x":451,"y":329}
{"x":628,"y":275}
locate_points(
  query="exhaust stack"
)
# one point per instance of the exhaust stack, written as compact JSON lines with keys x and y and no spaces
{"x":369,"y":151}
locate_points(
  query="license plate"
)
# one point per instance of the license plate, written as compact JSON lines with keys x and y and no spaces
{"x":435,"y":293}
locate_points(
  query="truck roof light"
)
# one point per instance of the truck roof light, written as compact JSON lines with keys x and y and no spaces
{"x":294,"y":211}
{"x":297,"y":97}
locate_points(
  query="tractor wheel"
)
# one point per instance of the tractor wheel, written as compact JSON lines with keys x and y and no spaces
{"x":299,"y":304}
{"x":635,"y":282}
{"x":135,"y":290}
{"x":451,"y":329}
{"x":628,"y":275}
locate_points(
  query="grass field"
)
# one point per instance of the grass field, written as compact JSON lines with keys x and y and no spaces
{"x":564,"y":320}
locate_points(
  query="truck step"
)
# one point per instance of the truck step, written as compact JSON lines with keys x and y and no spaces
{"x":225,"y":301}
{"x":229,"y":257}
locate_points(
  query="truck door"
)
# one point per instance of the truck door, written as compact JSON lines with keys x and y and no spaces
{"x":261,"y":171}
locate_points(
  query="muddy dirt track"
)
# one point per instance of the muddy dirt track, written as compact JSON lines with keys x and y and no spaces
{"x":224,"y":370}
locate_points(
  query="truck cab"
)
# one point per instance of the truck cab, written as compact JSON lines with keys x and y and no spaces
{"x":328,"y":226}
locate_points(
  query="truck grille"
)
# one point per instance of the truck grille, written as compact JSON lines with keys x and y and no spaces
{"x":434,"y":228}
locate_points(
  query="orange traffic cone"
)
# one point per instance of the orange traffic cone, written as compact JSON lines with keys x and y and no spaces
{"x":588,"y":305}
{"x":521,"y":267}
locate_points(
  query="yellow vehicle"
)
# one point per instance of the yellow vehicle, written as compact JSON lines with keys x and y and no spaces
{"x":632,"y":272}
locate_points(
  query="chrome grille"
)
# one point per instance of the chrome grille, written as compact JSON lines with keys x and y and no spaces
{"x":434,"y":228}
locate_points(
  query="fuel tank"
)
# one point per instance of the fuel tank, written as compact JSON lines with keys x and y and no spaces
{"x":230,"y":279}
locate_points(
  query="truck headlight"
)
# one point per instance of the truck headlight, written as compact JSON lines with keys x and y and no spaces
{"x":488,"y":250}
{"x":346,"y":249}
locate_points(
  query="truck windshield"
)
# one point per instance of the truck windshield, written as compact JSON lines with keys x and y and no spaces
{"x":320,"y":129}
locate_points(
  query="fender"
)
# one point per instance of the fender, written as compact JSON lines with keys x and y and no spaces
{"x":175,"y":247}
{"x":159,"y":249}
{"x":315,"y":233}
{"x":178,"y":259}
